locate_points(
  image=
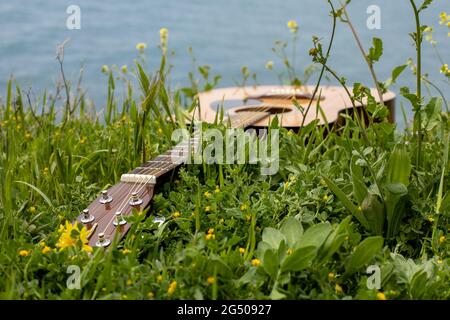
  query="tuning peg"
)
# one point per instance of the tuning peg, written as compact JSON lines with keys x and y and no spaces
{"x":102,"y":241}
{"x":87,"y":217}
{"x":118,"y":219}
{"x":105,"y":197}
{"x":135,"y":200}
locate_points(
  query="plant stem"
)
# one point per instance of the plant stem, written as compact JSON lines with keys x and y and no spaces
{"x":316,"y":89}
{"x":417,"y":115}
{"x":363,"y":52}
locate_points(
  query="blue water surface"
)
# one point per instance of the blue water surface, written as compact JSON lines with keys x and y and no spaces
{"x":225,"y":34}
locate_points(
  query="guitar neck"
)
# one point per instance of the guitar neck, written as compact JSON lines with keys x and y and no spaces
{"x":151,"y":170}
{"x":104,"y":217}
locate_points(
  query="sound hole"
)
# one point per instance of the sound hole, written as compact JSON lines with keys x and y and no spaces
{"x":271,"y":109}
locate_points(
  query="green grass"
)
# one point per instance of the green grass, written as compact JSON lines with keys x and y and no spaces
{"x":337,"y":205}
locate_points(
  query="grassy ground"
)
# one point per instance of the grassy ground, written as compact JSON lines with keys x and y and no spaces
{"x":356,"y":197}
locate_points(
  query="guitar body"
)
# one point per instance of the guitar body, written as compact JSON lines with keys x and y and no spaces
{"x":244,"y":107}
{"x":333,"y":102}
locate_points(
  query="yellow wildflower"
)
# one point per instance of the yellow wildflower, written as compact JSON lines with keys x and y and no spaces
{"x":163,"y":34}
{"x":207,"y":209}
{"x":141,"y":46}
{"x":430,"y":218}
{"x":151,"y":295}
{"x":27,"y":135}
{"x":441,"y":239}
{"x":126,"y":251}
{"x":129,"y":282}
{"x":105,"y":68}
{"x":124,"y":69}
{"x":445,"y":70}
{"x":210,"y":236}
{"x":289,"y":251}
{"x":269,"y":65}
{"x":325,"y":198}
{"x":244,"y":207}
{"x":217,"y":189}
{"x":443,"y":18}
{"x":159,"y":278}
{"x":211,"y":280}
{"x":172,"y":287}
{"x":67,"y":240}
{"x":256,"y":262}
{"x":160,"y":131}
{"x":32,"y":210}
{"x":331,"y":276}
{"x":248,"y":217}
{"x":207,"y":194}
{"x":439,"y":261}
{"x":381,"y":296}
{"x":84,"y":233}
{"x":210,"y":231}
{"x":338,"y":289}
{"x":176,"y":214}
{"x":293,"y":26}
{"x":24,"y":253}
{"x":241,"y":250}
{"x":46,"y":249}
{"x":124,"y":297}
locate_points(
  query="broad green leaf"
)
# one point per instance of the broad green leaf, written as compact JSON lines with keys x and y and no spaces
{"x":299,"y":259}
{"x":395,"y":203}
{"x":270,"y":263}
{"x":359,"y":187}
{"x":373,"y":210}
{"x":418,"y":286}
{"x":363,"y":254}
{"x":376,"y":51}
{"x":316,"y":235}
{"x":395,"y":74}
{"x":399,"y":166}
{"x":336,"y":238}
{"x":276,"y":295}
{"x":273,"y":237}
{"x":292,"y":230}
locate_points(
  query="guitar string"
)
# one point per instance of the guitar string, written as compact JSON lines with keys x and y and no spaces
{"x":139,"y":188}
{"x":241,"y":121}
{"x":166,"y":166}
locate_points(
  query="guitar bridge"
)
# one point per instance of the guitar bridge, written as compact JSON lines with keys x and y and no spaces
{"x":138,"y":178}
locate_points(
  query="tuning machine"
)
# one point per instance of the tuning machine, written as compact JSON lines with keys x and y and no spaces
{"x":106,"y":198}
{"x":102,"y":240}
{"x":87,"y":217}
{"x":135,"y":200}
{"x":118,"y":219}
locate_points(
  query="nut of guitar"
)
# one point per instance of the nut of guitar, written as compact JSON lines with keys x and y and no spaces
{"x":138,"y":178}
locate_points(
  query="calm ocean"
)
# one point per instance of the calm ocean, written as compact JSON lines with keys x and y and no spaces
{"x":226,"y":34}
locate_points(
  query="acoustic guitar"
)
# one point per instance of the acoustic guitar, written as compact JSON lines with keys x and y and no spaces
{"x":244,"y":107}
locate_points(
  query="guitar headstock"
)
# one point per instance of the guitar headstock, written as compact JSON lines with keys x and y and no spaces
{"x":106,"y":215}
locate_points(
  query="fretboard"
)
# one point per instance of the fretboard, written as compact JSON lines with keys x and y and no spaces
{"x":182,"y":152}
